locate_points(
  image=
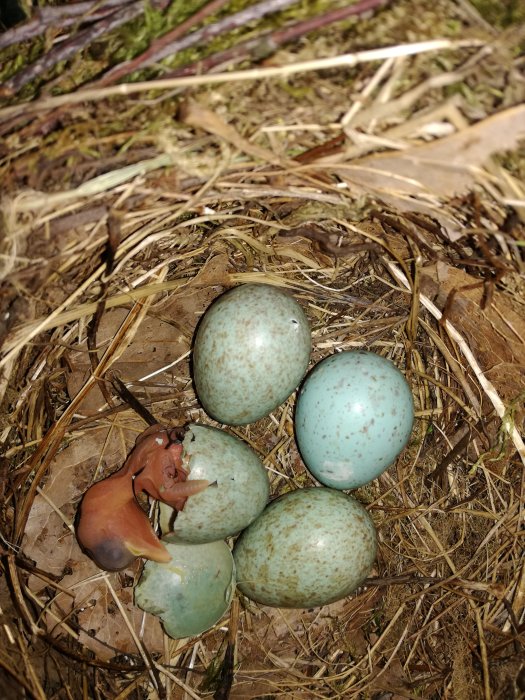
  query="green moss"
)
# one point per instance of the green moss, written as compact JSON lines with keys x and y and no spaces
{"x":133,"y":38}
{"x":501,"y":13}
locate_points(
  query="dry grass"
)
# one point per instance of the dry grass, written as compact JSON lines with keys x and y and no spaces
{"x":155,"y":217}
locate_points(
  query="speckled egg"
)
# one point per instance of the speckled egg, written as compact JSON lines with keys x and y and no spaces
{"x":251,"y":350}
{"x":237,"y":494}
{"x":310,"y":547}
{"x":192,"y":591}
{"x":354,"y":415}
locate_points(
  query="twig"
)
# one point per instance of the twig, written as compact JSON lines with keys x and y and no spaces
{"x":142,"y":649}
{"x":226,"y":673}
{"x":239,"y":19}
{"x":461,"y":445}
{"x":127,"y":67}
{"x":111,"y":248}
{"x":132,"y":401}
{"x":61,"y":16}
{"x":272,"y":40}
{"x":70,"y":47}
{"x":166,"y":46}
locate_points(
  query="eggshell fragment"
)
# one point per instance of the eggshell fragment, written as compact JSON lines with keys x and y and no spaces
{"x":251,"y":350}
{"x":237,"y":494}
{"x":190,"y":593}
{"x":354,"y":415}
{"x":310,"y":547}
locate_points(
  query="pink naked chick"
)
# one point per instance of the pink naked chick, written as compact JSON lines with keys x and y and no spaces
{"x":111,"y":526}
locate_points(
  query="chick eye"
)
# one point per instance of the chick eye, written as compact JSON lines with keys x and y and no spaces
{"x":173,"y":438}
{"x":111,"y":555}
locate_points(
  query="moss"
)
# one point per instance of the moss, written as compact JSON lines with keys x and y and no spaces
{"x":501,"y":13}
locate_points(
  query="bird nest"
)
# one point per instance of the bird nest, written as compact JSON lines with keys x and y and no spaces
{"x":382,"y":187}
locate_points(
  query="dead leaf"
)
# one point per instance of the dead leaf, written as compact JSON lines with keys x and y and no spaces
{"x":395,"y":681}
{"x":104,"y":630}
{"x":196,"y":115}
{"x":496,"y":334}
{"x":442,"y":168}
{"x":164,"y":336}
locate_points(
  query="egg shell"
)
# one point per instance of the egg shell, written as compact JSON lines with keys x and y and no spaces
{"x":353,"y":417}
{"x":237,"y":494}
{"x":251,"y":351}
{"x":190,"y":593}
{"x":310,"y":547}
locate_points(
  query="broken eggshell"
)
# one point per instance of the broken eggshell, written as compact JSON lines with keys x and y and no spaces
{"x":191,"y":592}
{"x":237,"y":494}
{"x":111,"y":527}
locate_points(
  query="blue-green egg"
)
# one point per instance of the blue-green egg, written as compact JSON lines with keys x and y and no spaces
{"x":238,"y":491}
{"x":309,"y":547}
{"x":354,"y":415}
{"x":251,"y":350}
{"x":192,"y":591}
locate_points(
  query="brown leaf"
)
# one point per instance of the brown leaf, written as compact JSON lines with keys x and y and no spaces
{"x":164,"y":335}
{"x":496,"y":334}
{"x":194,"y":114}
{"x":104,"y":629}
{"x":442,"y":168}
